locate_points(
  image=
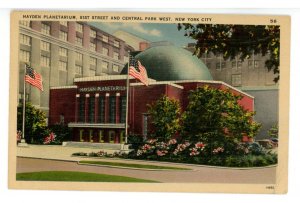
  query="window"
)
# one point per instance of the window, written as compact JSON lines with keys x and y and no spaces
{"x":105,"y":38}
{"x":115,"y":68}
{"x":62,"y":51}
{"x":239,"y":64}
{"x":78,"y":41}
{"x":93,"y":61}
{"x":24,"y":39}
{"x":116,"y":43}
{"x":45,"y":61}
{"x":78,"y":69}
{"x":123,"y":109}
{"x":218,"y":66}
{"x":208,"y":65}
{"x":92,"y":109}
{"x":105,"y":51}
{"x":45,"y":46}
{"x":65,"y":23}
{"x":112,"y":109}
{"x":63,"y":66}
{"x":25,"y":56}
{"x":236,"y":64}
{"x":116,"y":55}
{"x":79,"y":27}
{"x":256,"y":64}
{"x":104,"y":65}
{"x":236,"y":80}
{"x":45,"y":29}
{"x":92,"y":46}
{"x":126,"y":58}
{"x":81,"y":109}
{"x":25,"y":23}
{"x":92,"y":72}
{"x":79,"y":56}
{"x":101,"y":110}
{"x":63,"y":35}
{"x":93,"y":33}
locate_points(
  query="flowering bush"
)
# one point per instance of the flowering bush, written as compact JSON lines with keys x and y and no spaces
{"x":212,"y":153}
{"x":50,"y":138}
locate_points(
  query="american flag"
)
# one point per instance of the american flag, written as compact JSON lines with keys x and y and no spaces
{"x":138,"y":71}
{"x":33,"y":78}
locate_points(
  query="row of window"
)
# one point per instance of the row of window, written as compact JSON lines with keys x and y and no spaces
{"x":235,"y":64}
{"x":45,"y":29}
{"x":45,"y":61}
{"x":101,"y":109}
{"x":26,"y":40}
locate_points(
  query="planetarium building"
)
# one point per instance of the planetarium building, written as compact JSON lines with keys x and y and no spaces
{"x":95,"y":107}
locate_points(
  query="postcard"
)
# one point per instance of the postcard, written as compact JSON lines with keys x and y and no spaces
{"x":165,"y":102}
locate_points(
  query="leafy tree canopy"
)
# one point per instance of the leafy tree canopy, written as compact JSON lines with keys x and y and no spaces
{"x":165,"y":116}
{"x":35,"y":122}
{"x":216,"y":111}
{"x":237,"y":41}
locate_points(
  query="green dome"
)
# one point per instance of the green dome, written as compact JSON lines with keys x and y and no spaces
{"x":166,"y":63}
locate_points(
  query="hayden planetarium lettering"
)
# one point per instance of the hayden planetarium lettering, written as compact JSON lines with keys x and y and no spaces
{"x":102,"y":89}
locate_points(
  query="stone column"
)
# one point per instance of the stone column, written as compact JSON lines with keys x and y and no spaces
{"x":77,"y":107}
{"x":117,"y":107}
{"x":54,"y":72}
{"x":36,"y":65}
{"x":106,"y":116}
{"x":96,"y":107}
{"x":86,"y":108}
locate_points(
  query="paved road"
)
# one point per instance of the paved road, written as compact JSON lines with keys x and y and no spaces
{"x":199,"y":174}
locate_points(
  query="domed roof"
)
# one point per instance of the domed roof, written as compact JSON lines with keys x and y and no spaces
{"x":166,"y":63}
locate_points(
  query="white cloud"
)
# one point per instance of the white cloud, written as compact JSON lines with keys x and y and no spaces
{"x":137,"y":27}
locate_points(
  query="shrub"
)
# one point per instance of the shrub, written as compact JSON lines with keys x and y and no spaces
{"x":165,"y":117}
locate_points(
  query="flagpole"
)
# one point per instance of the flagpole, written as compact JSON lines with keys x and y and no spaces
{"x":127,"y":100}
{"x":23,"y":141}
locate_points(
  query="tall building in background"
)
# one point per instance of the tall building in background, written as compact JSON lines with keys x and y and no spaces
{"x":136,"y":42}
{"x":62,"y":51}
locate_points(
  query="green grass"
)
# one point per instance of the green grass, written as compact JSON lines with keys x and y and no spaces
{"x":128,"y":165}
{"x":76,"y":176}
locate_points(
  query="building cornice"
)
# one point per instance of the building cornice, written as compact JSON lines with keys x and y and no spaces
{"x":63,"y":87}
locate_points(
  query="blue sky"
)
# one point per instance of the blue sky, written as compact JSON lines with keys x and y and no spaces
{"x":150,"y":31}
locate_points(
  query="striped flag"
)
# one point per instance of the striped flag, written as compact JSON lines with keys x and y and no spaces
{"x":138,"y":71}
{"x":33,"y":78}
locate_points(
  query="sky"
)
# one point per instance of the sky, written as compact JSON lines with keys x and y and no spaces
{"x":152,"y":32}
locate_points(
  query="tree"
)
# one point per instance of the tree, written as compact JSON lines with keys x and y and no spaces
{"x":237,"y":41}
{"x":35,"y":123}
{"x":217,"y":112}
{"x":165,"y":117}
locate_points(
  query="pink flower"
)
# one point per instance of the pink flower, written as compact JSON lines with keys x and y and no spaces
{"x":161,"y":153}
{"x":172,"y":141}
{"x":151,"y":141}
{"x":218,"y":150}
{"x":199,"y":145}
{"x":194,"y":152}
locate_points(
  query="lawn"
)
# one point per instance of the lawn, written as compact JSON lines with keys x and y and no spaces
{"x":76,"y":177}
{"x":129,"y":165}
